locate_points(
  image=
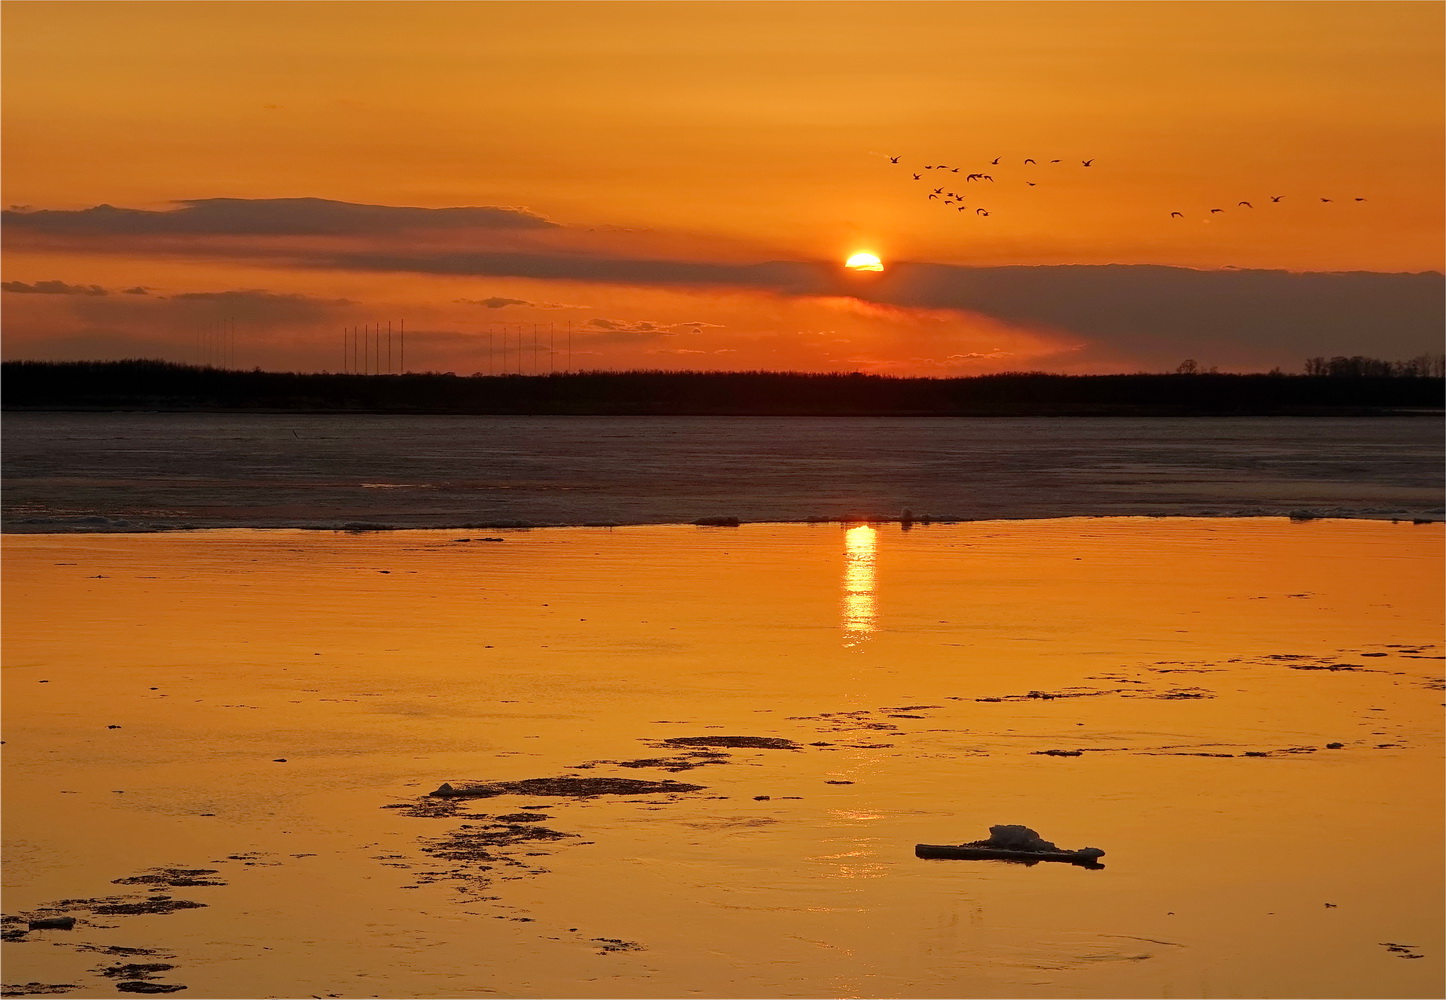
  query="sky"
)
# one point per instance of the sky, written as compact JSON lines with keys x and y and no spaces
{"x":677,"y":185}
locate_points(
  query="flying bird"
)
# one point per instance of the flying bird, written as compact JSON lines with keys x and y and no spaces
{"x":1053,"y":161}
{"x":1360,"y":199}
{"x":961,"y":208}
{"x":933,"y":196}
{"x":938,"y":190}
{"x":953,"y":170}
{"x":894,"y":159}
{"x":1325,"y":199}
{"x":1088,"y":162}
{"x":1027,"y":160}
{"x":1214,"y":210}
{"x":1276,"y":197}
{"x":1177,"y":215}
{"x":980,"y":211}
{"x":1245,"y":203}
{"x":1030,"y":183}
{"x":987,"y":177}
{"x":971,"y":177}
{"x":927,"y":167}
{"x":916,"y":177}
{"x":994,"y":162}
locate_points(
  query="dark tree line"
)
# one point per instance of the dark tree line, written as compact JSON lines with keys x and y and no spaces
{"x":1421,"y":366}
{"x":159,"y":385}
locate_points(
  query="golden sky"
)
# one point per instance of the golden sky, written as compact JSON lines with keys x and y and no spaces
{"x":681,"y":181}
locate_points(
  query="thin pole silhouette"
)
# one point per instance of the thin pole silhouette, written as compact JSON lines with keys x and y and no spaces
{"x":569,"y":346}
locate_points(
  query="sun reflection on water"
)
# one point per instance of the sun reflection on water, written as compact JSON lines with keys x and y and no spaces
{"x":859,"y":613}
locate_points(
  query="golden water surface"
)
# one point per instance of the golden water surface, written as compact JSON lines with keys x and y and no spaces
{"x":249,"y":702}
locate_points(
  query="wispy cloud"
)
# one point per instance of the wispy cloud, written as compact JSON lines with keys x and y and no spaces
{"x":51,"y":288}
{"x":647,"y":327}
{"x":266,"y":217}
{"x":498,"y":302}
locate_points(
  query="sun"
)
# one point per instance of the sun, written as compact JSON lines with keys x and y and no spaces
{"x":864,"y":262}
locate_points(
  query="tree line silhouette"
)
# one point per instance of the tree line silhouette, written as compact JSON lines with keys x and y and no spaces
{"x":158,"y":385}
{"x":1421,"y":366}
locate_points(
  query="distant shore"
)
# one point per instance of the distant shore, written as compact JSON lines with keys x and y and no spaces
{"x":157,"y":386}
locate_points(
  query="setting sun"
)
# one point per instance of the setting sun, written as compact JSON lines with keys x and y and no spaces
{"x":864,"y":262}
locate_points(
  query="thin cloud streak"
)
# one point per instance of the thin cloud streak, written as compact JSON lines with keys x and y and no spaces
{"x":266,"y":217}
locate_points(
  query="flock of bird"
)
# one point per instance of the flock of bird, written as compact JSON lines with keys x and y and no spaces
{"x":956,"y":199}
{"x":1275,"y":199}
{"x":953,"y":198}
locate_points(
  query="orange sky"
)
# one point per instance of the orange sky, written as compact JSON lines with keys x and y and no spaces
{"x":727,"y":135}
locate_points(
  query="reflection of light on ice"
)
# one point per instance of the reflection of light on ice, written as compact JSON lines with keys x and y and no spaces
{"x":858,"y":590}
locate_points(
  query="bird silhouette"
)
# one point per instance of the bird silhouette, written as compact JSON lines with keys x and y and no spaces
{"x":916,"y":177}
{"x":961,"y":208}
{"x":933,"y":196}
{"x":987,"y":177}
{"x":1030,"y":183}
{"x":971,"y":177}
{"x":948,"y":201}
{"x":1177,"y":215}
{"x":938,"y":190}
{"x":994,"y":162}
{"x":953,"y":170}
{"x":1245,"y":203}
{"x":893,"y":159}
{"x":1053,"y":161}
{"x":1088,"y":162}
{"x":980,"y":211}
{"x":1276,"y":197}
{"x":1027,"y":160}
{"x":1360,"y":199}
{"x":1325,"y":199}
{"x":1214,"y":210}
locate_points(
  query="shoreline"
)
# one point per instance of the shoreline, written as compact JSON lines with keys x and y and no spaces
{"x":89,"y":525}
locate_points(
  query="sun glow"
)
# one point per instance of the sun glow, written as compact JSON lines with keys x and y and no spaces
{"x":864,"y":262}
